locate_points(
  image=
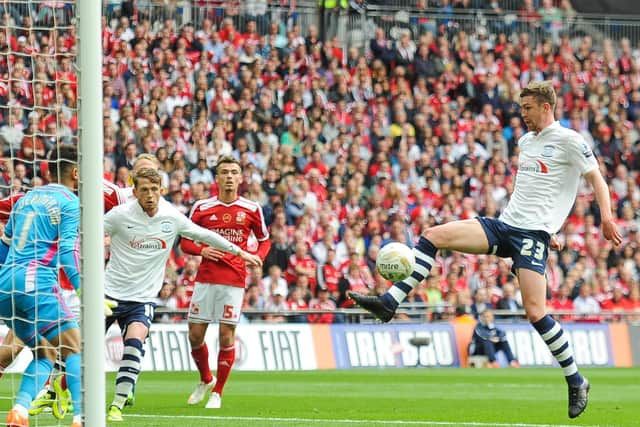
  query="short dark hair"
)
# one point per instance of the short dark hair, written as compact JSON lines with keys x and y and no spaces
{"x":227,"y":159}
{"x":62,"y":159}
{"x":147,"y":173}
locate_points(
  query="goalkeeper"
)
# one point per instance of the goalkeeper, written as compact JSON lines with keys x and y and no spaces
{"x":43,"y":226}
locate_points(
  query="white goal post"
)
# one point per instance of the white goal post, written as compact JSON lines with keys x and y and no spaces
{"x":91,"y":228}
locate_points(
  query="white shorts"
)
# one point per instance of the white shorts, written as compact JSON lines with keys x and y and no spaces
{"x":72,"y":300}
{"x":213,"y":303}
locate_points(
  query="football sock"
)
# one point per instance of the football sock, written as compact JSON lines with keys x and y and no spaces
{"x":33,"y":380}
{"x":553,"y":335}
{"x":226,"y":357}
{"x":425,"y":253}
{"x":129,"y":371}
{"x":201,"y":357}
{"x":73,"y":364}
{"x":58,"y":369}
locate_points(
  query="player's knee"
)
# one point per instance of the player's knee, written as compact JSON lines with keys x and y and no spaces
{"x":8,"y":352}
{"x":436,"y":236}
{"x":196,"y":338}
{"x":46,"y":352}
{"x":70,"y":342}
{"x":227,"y":335}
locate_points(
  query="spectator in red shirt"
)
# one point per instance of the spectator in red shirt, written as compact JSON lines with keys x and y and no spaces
{"x":616,"y":303}
{"x":322,"y":302}
{"x":301,"y":264}
{"x":562,"y":302}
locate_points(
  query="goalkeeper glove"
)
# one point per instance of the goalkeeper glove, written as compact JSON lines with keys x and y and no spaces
{"x":108,"y":305}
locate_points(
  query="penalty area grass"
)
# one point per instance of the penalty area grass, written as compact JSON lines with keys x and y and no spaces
{"x":377,"y":397}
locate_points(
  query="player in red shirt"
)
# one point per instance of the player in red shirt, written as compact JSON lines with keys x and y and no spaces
{"x":219,"y":289}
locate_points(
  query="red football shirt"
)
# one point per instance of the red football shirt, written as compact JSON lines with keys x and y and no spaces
{"x":114,"y":195}
{"x":7,"y":204}
{"x":234,"y":221}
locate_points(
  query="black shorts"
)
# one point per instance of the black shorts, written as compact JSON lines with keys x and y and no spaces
{"x":128,"y":312}
{"x":528,"y":249}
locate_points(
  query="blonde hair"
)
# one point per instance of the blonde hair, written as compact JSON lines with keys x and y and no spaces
{"x":147,"y":173}
{"x":146,"y":156}
{"x":542,"y":92}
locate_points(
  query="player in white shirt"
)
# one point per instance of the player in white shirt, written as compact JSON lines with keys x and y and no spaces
{"x":551,"y":162}
{"x":143,"y":233}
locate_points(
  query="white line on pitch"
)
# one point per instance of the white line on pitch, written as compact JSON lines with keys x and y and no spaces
{"x":330,"y":421}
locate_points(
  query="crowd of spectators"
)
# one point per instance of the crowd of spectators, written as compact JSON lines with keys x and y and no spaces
{"x":345,"y":150}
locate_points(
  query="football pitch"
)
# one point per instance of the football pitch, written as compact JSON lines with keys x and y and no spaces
{"x":372,"y":398}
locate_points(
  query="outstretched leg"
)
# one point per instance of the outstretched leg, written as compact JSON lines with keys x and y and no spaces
{"x":463,"y":236}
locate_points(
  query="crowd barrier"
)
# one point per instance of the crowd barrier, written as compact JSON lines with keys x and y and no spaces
{"x":355,"y":29}
{"x":290,"y":347}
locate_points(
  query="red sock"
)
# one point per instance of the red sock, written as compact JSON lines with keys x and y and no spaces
{"x":201,"y":357}
{"x":226,"y":357}
{"x":63,"y":381}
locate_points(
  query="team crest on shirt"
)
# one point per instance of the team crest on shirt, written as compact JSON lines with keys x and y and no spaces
{"x":548,"y":150}
{"x":166,"y":227}
{"x":240,"y":217}
{"x":226,"y":217}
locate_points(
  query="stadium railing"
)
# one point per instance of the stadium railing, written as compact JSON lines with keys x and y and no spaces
{"x":357,"y":28}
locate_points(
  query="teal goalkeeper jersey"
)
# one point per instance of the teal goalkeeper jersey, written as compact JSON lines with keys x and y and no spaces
{"x":41,"y":235}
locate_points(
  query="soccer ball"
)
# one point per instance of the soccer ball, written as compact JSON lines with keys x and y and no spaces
{"x":395,"y":261}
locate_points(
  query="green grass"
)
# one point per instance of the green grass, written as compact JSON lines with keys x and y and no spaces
{"x":418,"y":397}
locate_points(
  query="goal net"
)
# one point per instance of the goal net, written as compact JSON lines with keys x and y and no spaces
{"x":40,"y":94}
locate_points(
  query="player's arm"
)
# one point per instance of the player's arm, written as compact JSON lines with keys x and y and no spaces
{"x":261,"y":232}
{"x":5,"y":241}
{"x":68,"y":242}
{"x":583,"y":158}
{"x":188,"y":246}
{"x":601,"y":191}
{"x":194,"y":232}
{"x":110,"y":222}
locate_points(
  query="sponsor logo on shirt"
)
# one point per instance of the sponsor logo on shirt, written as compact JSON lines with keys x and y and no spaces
{"x":147,"y":243}
{"x":231,"y":234}
{"x":537,"y":166}
{"x":213,"y":217}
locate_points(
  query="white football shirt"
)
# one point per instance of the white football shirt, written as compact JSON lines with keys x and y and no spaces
{"x":550,"y":166}
{"x":141,"y":245}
